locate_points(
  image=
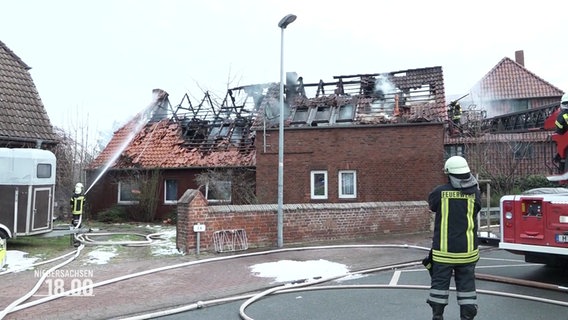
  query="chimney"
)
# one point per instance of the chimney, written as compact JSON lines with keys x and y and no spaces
{"x":520,"y":57}
{"x":161,"y":103}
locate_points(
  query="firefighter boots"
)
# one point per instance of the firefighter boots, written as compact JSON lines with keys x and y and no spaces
{"x":437,"y":310}
{"x":468,"y":311}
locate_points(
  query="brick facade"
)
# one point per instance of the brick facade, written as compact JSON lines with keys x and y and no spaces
{"x":303,"y":223}
{"x":398,"y":162}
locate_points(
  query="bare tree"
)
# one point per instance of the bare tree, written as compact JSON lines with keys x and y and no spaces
{"x":76,"y":149}
{"x":242,"y":183}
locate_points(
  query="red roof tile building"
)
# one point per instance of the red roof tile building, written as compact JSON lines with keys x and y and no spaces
{"x":509,"y":143}
{"x":510,"y":87}
{"x":227,"y":149}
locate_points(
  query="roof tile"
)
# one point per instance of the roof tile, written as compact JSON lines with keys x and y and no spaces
{"x":511,"y":80}
{"x":22,"y":114}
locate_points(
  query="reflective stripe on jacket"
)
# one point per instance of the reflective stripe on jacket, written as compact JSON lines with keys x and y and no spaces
{"x":455,"y":227}
{"x":77,"y":204}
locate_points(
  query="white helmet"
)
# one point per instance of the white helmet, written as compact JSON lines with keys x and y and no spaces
{"x":456,"y":165}
{"x":564,"y":102}
{"x":78,"y":188}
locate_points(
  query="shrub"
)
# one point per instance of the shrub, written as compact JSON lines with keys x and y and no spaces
{"x":113,"y":215}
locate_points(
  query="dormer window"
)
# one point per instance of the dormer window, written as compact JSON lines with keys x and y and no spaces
{"x":301,"y":116}
{"x":323,"y":114}
{"x":345,"y":113}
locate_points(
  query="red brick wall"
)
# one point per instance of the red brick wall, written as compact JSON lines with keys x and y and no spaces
{"x":303,"y":223}
{"x":393,"y":162}
{"x":104,"y":194}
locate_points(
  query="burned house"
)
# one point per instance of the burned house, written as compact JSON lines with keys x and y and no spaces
{"x":357,"y":138}
{"x":351,"y":139}
{"x":165,"y":150}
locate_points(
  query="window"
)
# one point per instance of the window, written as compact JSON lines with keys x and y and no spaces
{"x":522,"y":150}
{"x":347,"y":184}
{"x":322,"y":114}
{"x":319,"y":185}
{"x":219,"y":131}
{"x":44,"y":170}
{"x":519,"y":105}
{"x":454,"y":150}
{"x":301,"y":116}
{"x":218,"y":191}
{"x":128,"y":192}
{"x":345,"y":113}
{"x":170,"y":191}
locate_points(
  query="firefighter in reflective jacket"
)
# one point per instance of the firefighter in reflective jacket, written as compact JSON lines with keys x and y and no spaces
{"x":456,"y":112}
{"x":77,"y":202}
{"x":561,"y":124}
{"x":455,"y":243}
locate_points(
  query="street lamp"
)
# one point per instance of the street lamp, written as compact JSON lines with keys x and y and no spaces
{"x":282,"y":25}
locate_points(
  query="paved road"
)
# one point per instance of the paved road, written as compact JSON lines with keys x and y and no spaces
{"x":182,"y":281}
{"x":351,"y":299}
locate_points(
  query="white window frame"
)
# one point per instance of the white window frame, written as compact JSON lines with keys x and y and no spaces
{"x":313,"y":182}
{"x":120,"y":201}
{"x":341,"y":194}
{"x":219,"y":200}
{"x":166,"y":200}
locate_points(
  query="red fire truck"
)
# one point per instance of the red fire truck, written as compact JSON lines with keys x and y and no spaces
{"x":535,"y":224}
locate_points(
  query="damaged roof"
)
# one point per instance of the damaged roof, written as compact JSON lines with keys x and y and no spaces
{"x":511,"y":80}
{"x":414,"y":95}
{"x":23,"y":117}
{"x":214,"y":133}
{"x":154,"y":139}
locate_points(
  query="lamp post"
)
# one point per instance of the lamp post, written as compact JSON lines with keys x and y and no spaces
{"x":284,"y":22}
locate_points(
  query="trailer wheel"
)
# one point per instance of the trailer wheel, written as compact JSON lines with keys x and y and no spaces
{"x":3,"y":234}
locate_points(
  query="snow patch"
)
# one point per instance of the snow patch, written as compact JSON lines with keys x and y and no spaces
{"x":289,"y":270}
{"x":18,"y":261}
{"x":166,"y":244}
{"x":101,"y":255}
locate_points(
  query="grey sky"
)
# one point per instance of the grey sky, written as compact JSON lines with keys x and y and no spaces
{"x":102,"y":58}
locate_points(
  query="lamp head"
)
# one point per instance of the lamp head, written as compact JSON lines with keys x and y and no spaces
{"x":286,"y":21}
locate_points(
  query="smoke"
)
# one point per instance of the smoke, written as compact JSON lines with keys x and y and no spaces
{"x":384,"y":86}
{"x":135,"y":125}
{"x":482,"y":97}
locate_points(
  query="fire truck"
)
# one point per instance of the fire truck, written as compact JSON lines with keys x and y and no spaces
{"x":535,"y":223}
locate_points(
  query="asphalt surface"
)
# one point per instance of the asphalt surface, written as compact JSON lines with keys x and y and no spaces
{"x":128,"y":289}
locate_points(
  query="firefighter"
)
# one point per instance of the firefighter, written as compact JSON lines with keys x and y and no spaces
{"x":77,"y":202}
{"x":456,"y":112}
{"x":454,"y":243}
{"x":561,"y":124}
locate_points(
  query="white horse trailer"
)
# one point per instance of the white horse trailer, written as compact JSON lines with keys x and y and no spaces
{"x":27,"y":190}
